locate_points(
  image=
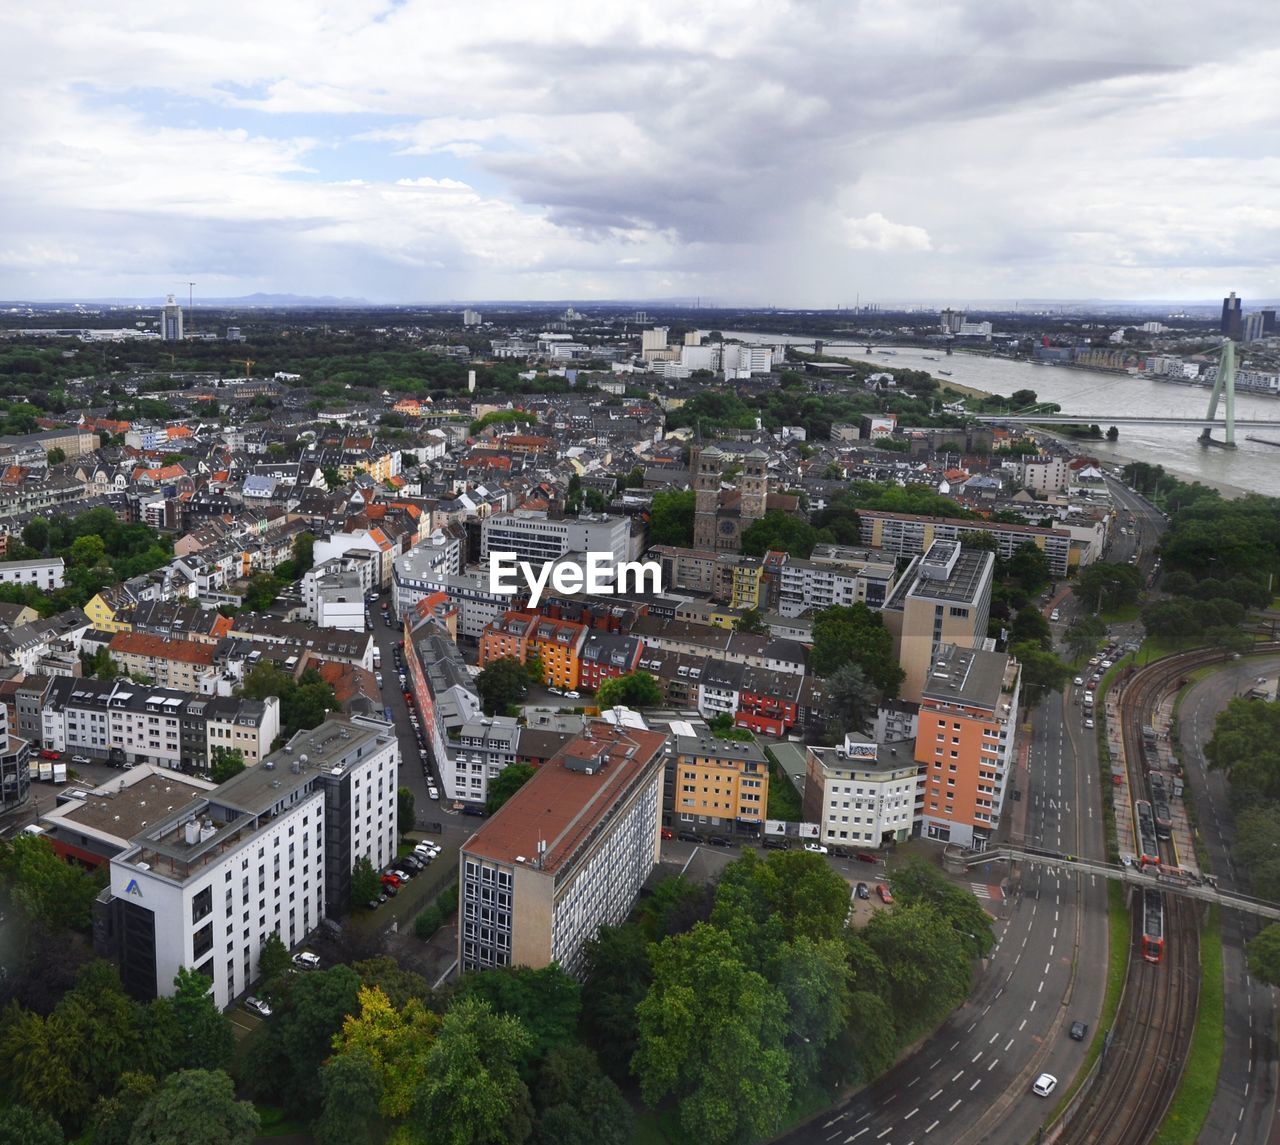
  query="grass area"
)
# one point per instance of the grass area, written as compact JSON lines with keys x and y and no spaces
{"x":784,"y":799}
{"x":1190,"y":1106}
{"x":275,"y":1123}
{"x":1122,"y":615}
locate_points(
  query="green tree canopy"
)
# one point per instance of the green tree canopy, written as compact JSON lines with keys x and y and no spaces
{"x":227,"y":762}
{"x":506,"y":783}
{"x":1263,"y":953}
{"x":577,"y":1104}
{"x":1105,"y":586}
{"x":195,"y":1107}
{"x":855,"y":634}
{"x":56,"y":894}
{"x":671,"y":517}
{"x":1042,"y":672}
{"x":778,"y":530}
{"x":546,"y":1001}
{"x":273,"y":959}
{"x":404,"y":809}
{"x":502,"y":684}
{"x":1246,"y":745}
{"x":365,"y":882}
{"x":634,"y":690}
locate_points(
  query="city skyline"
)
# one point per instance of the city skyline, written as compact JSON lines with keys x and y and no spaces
{"x":797,"y":156}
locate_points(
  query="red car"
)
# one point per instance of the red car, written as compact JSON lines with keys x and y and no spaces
{"x":47,"y":754}
{"x":863,"y":857}
{"x":667,"y":833}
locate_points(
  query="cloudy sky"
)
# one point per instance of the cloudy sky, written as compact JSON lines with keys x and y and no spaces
{"x":743,"y":151}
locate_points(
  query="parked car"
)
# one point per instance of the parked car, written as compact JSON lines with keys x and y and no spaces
{"x":1044,"y":1085}
{"x":1078,"y":681}
{"x":47,"y":754}
{"x":433,"y":792}
{"x":883,"y":892}
{"x":257,"y":1006}
{"x":667,"y":833}
{"x":473,"y":809}
{"x":688,"y":837}
{"x":867,"y":857}
{"x":1088,"y":723}
{"x":776,"y":843}
{"x":305,"y":960}
{"x":80,"y":759}
{"x":719,"y":841}
{"x":391,"y":890}
{"x":815,"y":848}
{"x":573,"y":695}
{"x":862,"y":892}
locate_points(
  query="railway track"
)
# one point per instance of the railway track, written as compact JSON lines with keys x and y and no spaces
{"x":1147,"y":1049}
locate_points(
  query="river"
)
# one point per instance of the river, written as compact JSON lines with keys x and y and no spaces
{"x":1252,"y":466}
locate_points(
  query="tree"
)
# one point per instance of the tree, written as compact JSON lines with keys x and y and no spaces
{"x":262,"y":592}
{"x":712,"y":1033}
{"x":57,"y":455}
{"x":502,"y":685}
{"x":284,"y":1059}
{"x":926,"y":968}
{"x":195,"y":1107}
{"x":751,"y":621}
{"x":854,"y":634}
{"x":918,"y":882}
{"x":1257,"y":829}
{"x":546,"y":1001}
{"x":1263,"y":954}
{"x":366,"y":885}
{"x":471,"y":1092}
{"x":814,"y":979}
{"x":1027,"y":567}
{"x":506,"y":783}
{"x":1106,"y":586}
{"x":1170,"y":621}
{"x":53,"y":893}
{"x":273,"y":959}
{"x":634,"y":690}
{"x":577,"y":1103}
{"x":227,"y":762}
{"x":778,"y":530}
{"x":22,"y":1126}
{"x":1246,"y":745}
{"x":304,"y":545}
{"x":351,"y":1095}
{"x":1084,"y":635}
{"x":671,"y":517}
{"x":404,"y":809}
{"x":1042,"y":672}
{"x":617,"y":978}
{"x":1030,"y":627}
{"x":113,"y":1116}
{"x":395,"y":1041}
{"x":850,"y":698}
{"x":205,"y":1039}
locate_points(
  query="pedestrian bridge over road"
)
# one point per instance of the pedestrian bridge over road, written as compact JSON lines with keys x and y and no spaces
{"x":1190,"y":886}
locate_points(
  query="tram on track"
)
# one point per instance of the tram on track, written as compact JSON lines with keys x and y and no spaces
{"x":1160,"y":806}
{"x":1144,"y":830}
{"x":1152,"y":925}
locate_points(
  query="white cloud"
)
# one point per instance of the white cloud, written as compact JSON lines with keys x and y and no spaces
{"x":348,"y":146}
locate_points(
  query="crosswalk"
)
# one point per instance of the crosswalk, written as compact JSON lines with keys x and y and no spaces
{"x":987,"y":891}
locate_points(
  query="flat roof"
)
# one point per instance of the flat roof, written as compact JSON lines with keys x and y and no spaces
{"x":545,"y":823}
{"x":125,"y":806}
{"x":963,"y":583}
{"x":966,"y":676}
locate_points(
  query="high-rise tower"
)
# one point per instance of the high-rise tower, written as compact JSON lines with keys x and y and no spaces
{"x":708,"y":465}
{"x":171,"y":321}
{"x":1232,"y":324}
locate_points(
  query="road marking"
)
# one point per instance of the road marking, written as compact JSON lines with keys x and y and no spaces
{"x":910,"y":1115}
{"x":952,"y":1107}
{"x":885,"y":1133}
{"x":1039,"y":988}
{"x":935,"y":1126}
{"x":936,"y":1096}
{"x":1031,"y":1007}
{"x":912,"y":1082}
{"x":993,"y":1038}
{"x":996,"y":1061}
{"x":958,"y":1076}
{"x":977,"y":1081}
{"x":1009,"y":1044}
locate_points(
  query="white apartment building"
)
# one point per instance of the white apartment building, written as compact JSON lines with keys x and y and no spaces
{"x":45,"y":573}
{"x":536,"y":536}
{"x":371,"y":541}
{"x":834,"y":575}
{"x":334,"y":594}
{"x":479,"y":752}
{"x":861,"y":793}
{"x":270,"y":851}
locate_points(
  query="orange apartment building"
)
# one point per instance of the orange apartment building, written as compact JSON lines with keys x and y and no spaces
{"x":557,"y":643}
{"x":965,"y":743}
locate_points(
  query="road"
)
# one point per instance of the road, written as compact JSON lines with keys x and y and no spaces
{"x":1243,"y":1110}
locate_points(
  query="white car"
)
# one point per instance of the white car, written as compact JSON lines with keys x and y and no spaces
{"x":1105,"y":664}
{"x":257,"y":1006}
{"x":429,"y":850}
{"x":1088,"y":723}
{"x":1044,"y":1085}
{"x":573,"y":695}
{"x":79,"y":759}
{"x":815,"y":848}
{"x":1078,"y":681}
{"x":305,"y":960}
{"x":433,"y":792}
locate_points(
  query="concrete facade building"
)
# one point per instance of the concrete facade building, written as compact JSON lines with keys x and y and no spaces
{"x":270,"y":851}
{"x":965,"y":743}
{"x":45,"y":573}
{"x":944,"y":597}
{"x":715,"y":784}
{"x":567,"y":854}
{"x":537,"y":536}
{"x":861,"y":793}
{"x":907,"y":534}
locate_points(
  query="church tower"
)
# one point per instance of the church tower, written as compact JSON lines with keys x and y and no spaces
{"x":707,"y":465}
{"x":753,"y":484}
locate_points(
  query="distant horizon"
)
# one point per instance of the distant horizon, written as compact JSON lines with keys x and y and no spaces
{"x":287,"y":300}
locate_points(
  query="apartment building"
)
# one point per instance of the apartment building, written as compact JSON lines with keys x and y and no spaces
{"x":15,"y":765}
{"x":477,"y":754}
{"x":567,"y":854}
{"x":965,"y":742}
{"x":45,"y":573}
{"x":469,"y":592}
{"x":944,"y":597}
{"x":334,"y":594}
{"x":323,"y":644}
{"x":607,"y":655}
{"x":270,"y":851}
{"x":715,"y":784}
{"x":445,"y":696}
{"x":186,"y":665}
{"x":537,"y":536}
{"x":123,"y":723}
{"x":861,"y":793}
{"x":909,"y":534}
{"x":834,"y":575}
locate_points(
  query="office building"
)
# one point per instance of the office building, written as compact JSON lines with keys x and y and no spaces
{"x":861,"y":793}
{"x":537,"y":536}
{"x":712,"y":784}
{"x":1268,"y":321}
{"x":471,"y":318}
{"x":965,"y":742}
{"x":567,"y":854}
{"x":944,"y":597}
{"x":950,"y":321}
{"x":171,"y":321}
{"x":906,"y":534}
{"x":270,"y":851}
{"x":1232,"y":323}
{"x":1253,"y":326}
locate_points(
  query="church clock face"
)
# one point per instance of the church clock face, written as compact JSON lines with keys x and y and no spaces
{"x":726,"y":527}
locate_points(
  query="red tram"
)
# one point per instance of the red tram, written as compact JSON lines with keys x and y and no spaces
{"x":1152,"y":925}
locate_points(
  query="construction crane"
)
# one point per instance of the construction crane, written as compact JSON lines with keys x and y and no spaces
{"x":248,"y":364}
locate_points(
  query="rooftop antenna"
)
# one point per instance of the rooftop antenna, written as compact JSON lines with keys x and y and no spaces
{"x":191,"y":322}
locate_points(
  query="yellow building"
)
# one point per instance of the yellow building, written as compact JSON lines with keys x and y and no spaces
{"x":717,"y":784}
{"x":108,"y":611}
{"x":558,"y":644}
{"x":748,"y":584}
